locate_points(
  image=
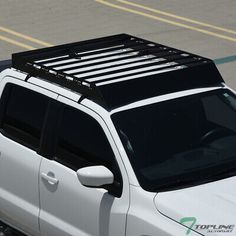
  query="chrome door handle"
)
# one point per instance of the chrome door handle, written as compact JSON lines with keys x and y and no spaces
{"x":51,"y":180}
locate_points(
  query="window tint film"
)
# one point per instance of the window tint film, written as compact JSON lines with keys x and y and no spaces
{"x":23,"y":115}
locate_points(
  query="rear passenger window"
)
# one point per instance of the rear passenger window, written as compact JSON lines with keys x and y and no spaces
{"x":23,"y":115}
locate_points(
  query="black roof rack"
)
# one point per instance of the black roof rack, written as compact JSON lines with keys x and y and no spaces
{"x":120,"y":69}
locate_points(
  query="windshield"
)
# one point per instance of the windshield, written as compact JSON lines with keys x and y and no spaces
{"x":181,"y":142}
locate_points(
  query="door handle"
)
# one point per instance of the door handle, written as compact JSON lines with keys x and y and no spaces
{"x":50,"y":179}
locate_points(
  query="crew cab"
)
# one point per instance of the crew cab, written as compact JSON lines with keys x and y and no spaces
{"x":116,"y":136}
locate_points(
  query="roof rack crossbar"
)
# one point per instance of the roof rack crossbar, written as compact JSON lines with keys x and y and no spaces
{"x":130,"y":44}
{"x":156,"y":67}
{"x":146,"y":75}
{"x":71,"y":55}
{"x":155,"y":58}
{"x":106,"y":65}
{"x":114,"y":58}
{"x":75,"y":47}
{"x":141,"y":49}
{"x":112,"y":72}
{"x":151,"y":71}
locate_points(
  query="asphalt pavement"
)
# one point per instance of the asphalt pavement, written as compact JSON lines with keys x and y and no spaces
{"x":205,"y":27}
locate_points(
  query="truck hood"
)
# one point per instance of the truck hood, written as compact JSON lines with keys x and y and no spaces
{"x":209,"y":209}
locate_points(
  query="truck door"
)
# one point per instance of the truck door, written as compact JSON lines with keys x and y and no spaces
{"x":22,"y":114}
{"x":68,"y":207}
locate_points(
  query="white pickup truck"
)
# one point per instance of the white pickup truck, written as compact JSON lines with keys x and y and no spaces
{"x":116,"y":136}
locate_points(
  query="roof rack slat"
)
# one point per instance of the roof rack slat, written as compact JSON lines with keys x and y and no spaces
{"x":83,"y":58}
{"x":68,"y":56}
{"x":104,"y":65}
{"x":128,"y":69}
{"x":180,"y":65}
{"x":140,"y":75}
{"x":116,"y":59}
{"x":142,"y":50}
{"x":167,"y":56}
{"x":98,"y":61}
{"x":120,"y":67}
{"x":128,"y":72}
{"x":129,"y":42}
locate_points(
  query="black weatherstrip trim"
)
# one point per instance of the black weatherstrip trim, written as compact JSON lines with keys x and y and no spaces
{"x":48,"y":137}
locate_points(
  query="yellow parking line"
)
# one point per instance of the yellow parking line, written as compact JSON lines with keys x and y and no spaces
{"x":176,"y":16}
{"x":4,"y":29}
{"x":22,"y":45}
{"x":167,"y":21}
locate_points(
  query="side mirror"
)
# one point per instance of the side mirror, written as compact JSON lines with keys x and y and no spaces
{"x":95,"y":176}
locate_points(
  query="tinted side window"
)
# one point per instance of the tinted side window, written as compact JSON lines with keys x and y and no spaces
{"x":82,"y":142}
{"x":23,"y":115}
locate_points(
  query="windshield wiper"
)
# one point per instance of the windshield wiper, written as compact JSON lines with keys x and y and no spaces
{"x":223,"y":173}
{"x":177,"y":183}
{"x":188,"y":182}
